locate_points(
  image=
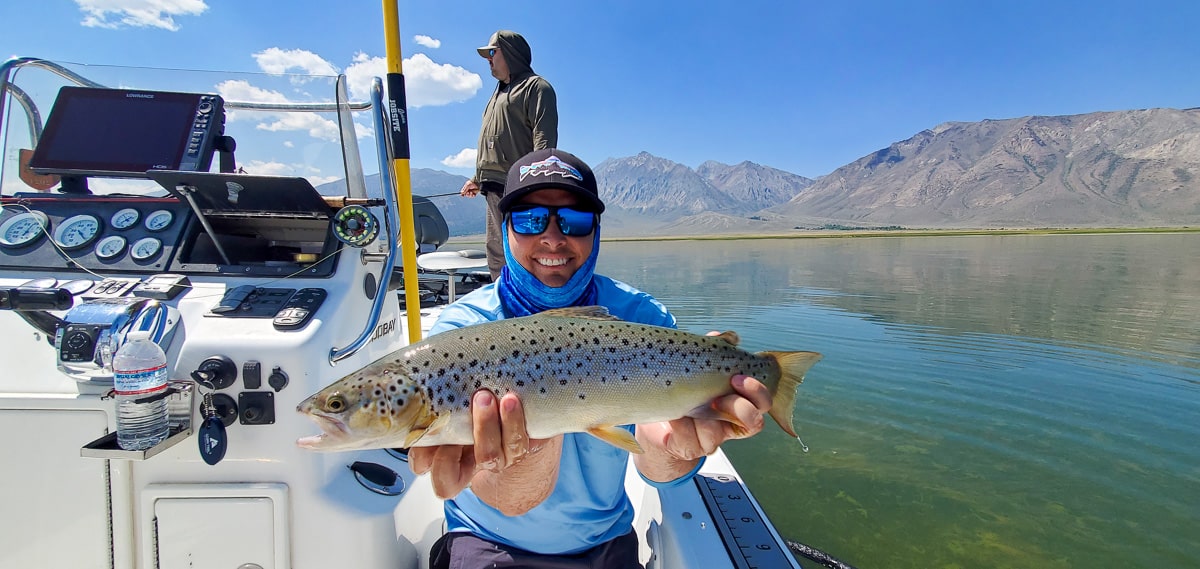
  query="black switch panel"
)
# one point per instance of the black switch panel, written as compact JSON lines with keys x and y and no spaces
{"x":256,"y":408}
{"x":252,"y":375}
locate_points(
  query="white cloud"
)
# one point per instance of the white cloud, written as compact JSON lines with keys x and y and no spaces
{"x":464,"y":159}
{"x":316,"y":126}
{"x":427,"y":84}
{"x":260,"y":168}
{"x":427,"y":41}
{"x":273,"y":168}
{"x":240,"y":90}
{"x":278,"y":61}
{"x":137,"y":13}
{"x":312,"y":123}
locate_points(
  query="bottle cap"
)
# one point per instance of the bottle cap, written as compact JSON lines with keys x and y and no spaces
{"x":137,"y":335}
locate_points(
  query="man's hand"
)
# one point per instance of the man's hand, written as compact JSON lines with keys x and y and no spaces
{"x":501,"y":442}
{"x":469,"y":189}
{"x":673,"y":447}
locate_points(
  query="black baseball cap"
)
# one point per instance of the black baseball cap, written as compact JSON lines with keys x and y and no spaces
{"x":554,"y":169}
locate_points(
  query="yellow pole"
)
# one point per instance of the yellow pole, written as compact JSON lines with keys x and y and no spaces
{"x":398,"y":113}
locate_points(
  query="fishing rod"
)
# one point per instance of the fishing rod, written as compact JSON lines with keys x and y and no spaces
{"x":398,"y":136}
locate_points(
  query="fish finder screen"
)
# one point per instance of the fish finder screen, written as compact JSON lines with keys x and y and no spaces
{"x":124,"y":133}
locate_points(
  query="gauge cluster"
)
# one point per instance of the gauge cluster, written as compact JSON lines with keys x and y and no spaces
{"x":93,"y":232}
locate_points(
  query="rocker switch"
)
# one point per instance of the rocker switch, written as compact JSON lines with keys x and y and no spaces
{"x":252,"y":375}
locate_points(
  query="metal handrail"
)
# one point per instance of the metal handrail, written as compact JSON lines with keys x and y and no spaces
{"x":35,"y":121}
{"x":383,"y":146}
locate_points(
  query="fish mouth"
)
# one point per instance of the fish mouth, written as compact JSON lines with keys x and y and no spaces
{"x":332,"y":429}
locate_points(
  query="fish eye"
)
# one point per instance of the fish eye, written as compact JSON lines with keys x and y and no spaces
{"x":336,"y":403}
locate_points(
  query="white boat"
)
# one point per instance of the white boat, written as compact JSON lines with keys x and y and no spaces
{"x":143,"y":231}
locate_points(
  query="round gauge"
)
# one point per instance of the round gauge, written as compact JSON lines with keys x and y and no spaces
{"x":77,"y":231}
{"x":23,"y":228}
{"x":159,"y":220}
{"x":110,"y":247}
{"x":145,"y":248}
{"x":125,"y":218}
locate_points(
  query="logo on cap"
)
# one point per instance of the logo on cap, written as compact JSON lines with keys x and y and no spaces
{"x":549,"y":167}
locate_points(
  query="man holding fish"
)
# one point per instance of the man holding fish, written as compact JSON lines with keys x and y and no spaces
{"x":530,"y":394}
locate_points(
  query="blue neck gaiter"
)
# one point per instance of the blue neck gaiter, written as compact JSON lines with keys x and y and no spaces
{"x":521,"y":294}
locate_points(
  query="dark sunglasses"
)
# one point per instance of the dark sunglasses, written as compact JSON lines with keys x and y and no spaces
{"x":534,"y":219}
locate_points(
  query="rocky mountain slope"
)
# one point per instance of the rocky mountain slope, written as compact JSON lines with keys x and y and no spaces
{"x":669,"y":191}
{"x":1123,"y":168}
{"x":1127,"y":168}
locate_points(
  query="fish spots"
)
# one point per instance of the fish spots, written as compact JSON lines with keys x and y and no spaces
{"x":562,"y":382}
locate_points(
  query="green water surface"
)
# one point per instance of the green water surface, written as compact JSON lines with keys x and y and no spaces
{"x":984,"y":401}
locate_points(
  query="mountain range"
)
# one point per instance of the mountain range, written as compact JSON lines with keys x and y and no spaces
{"x":1119,"y":169}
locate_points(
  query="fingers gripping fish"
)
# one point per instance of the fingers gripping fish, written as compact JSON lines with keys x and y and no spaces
{"x":574,"y":369}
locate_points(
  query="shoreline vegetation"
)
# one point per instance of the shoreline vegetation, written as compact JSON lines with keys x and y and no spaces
{"x":869,"y":232}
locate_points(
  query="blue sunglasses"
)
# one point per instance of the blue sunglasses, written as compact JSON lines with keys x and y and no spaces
{"x":534,"y":219}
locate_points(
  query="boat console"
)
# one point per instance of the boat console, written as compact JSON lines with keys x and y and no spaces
{"x":261,"y":291}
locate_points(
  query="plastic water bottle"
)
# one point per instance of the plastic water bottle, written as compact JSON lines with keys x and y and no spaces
{"x":140,"y":379}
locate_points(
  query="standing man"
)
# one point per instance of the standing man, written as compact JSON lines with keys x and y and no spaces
{"x":521,"y":116}
{"x":513,"y":501}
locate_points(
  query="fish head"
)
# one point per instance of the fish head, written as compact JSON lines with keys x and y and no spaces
{"x":371,"y":408}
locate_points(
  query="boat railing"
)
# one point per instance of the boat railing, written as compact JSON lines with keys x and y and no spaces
{"x":355,"y":179}
{"x":391,"y":223}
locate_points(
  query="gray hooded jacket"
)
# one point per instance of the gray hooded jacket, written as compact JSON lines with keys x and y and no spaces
{"x":521,"y":116}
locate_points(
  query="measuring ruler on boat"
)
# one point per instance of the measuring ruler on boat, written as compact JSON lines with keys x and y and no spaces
{"x":751,"y":543}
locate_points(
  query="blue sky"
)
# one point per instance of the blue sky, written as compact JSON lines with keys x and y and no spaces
{"x":799,"y":85}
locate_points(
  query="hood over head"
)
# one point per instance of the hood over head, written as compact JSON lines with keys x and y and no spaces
{"x":516,"y":51}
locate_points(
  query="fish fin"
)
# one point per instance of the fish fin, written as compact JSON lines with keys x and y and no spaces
{"x":730,"y":336}
{"x":585,"y":312}
{"x":437,"y":425}
{"x":709,"y":411}
{"x":616,"y":436}
{"x":424,"y":426}
{"x":413,"y":436}
{"x":793,"y":366}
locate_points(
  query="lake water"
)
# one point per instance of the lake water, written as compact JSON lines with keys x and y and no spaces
{"x":993,"y":401}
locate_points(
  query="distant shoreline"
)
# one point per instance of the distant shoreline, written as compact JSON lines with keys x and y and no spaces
{"x":855,"y":233}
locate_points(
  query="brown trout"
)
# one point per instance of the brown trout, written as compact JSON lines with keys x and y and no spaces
{"x":575,"y":370}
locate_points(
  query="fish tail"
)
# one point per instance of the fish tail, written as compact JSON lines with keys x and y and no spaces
{"x":793,"y":366}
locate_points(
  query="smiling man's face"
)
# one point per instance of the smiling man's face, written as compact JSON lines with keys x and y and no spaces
{"x":550,"y":256}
